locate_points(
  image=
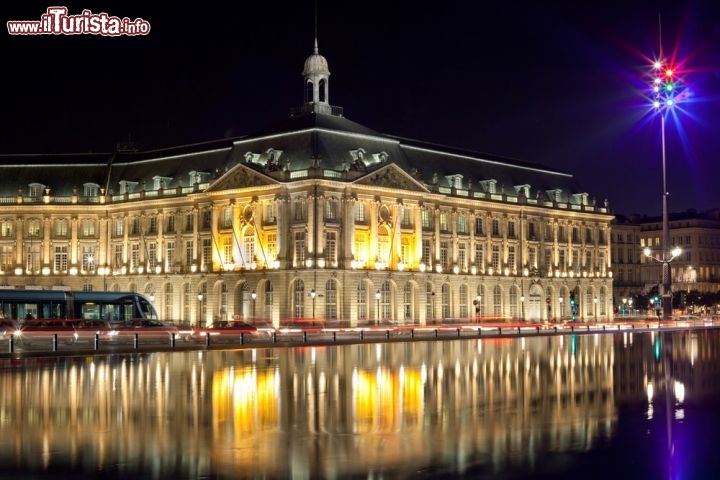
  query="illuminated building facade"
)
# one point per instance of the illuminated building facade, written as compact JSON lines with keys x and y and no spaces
{"x":697,"y":267}
{"x":317,"y":217}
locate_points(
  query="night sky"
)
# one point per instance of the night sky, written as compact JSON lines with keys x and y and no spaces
{"x":554,"y":82}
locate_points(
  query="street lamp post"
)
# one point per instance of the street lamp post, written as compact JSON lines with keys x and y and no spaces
{"x":253,"y":295}
{"x":200,"y":297}
{"x":667,"y":92}
{"x":595,"y":300}
{"x":377,"y":300}
{"x":313,"y":294}
{"x":562,"y":308}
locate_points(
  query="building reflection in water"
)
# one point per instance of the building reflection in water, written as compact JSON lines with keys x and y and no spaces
{"x":392,"y":408}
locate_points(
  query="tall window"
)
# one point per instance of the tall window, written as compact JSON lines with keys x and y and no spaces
{"x":362,"y":310}
{"x":189,"y":250}
{"x":7,"y":258}
{"x":249,"y":247}
{"x":6,"y":228}
{"x":444,"y":255}
{"x":170,"y":223}
{"x":383,"y":244}
{"x":359,"y":212}
{"x":88,"y":259}
{"x":299,"y":299}
{"x":513,"y":300}
{"x":511,"y":259}
{"x":331,"y":300}
{"x":88,"y":227}
{"x":461,"y":224}
{"x":426,"y":253}
{"x":480,"y":255}
{"x":445,"y":298}
{"x":331,"y":248}
{"x":444,"y":221}
{"x":299,"y":249}
{"x":134,"y":257}
{"x":272,"y":245}
{"x":189,"y":221}
{"x":152,"y":255}
{"x":300,"y":210}
{"x":463,"y":301}
{"x":404,"y":250}
{"x":479,"y":226}
{"x":32,"y":258}
{"x":61,"y":258}
{"x":118,"y":227}
{"x":407,"y":301}
{"x":426,"y":218}
{"x":117,"y":256}
{"x":169,"y":302}
{"x":511,"y":229}
{"x":152,"y":225}
{"x":34,"y":228}
{"x":406,"y":221}
{"x":497,"y":301}
{"x":187,"y":299}
{"x":227,"y":252}
{"x":495,"y":227}
{"x":206,"y":218}
{"x":429,"y":301}
{"x":226,"y":217}
{"x":61,"y":228}
{"x":496,"y":258}
{"x":169,"y":255}
{"x":270,"y":213}
{"x":331,"y":210}
{"x":206,"y":254}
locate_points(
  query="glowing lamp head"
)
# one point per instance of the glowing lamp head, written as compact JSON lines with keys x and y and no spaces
{"x":669,"y":102}
{"x":669,"y":72}
{"x":657,"y":65}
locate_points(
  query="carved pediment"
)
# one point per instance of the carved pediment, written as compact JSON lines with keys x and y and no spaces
{"x":240,"y":176}
{"x":392,"y":176}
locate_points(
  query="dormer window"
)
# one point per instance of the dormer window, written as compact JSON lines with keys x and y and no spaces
{"x":127,"y":186}
{"x":490,"y":186}
{"x":522,"y":190}
{"x":455,"y":181}
{"x":200,"y":177}
{"x":35,"y":190}
{"x":161,"y":182}
{"x":91,"y":189}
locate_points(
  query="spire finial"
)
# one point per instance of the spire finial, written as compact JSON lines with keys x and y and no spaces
{"x":315,"y":51}
{"x":316,"y":45}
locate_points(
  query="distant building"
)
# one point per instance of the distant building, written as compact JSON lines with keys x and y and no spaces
{"x":317,"y":217}
{"x":697,"y":268}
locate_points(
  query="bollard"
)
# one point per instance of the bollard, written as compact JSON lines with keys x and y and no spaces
{"x":537,"y":330}
{"x":588,"y":327}
{"x":11,"y":343}
{"x":412,"y":333}
{"x":362,"y":336}
{"x":458,"y":330}
{"x":572,"y":329}
{"x":334,"y":337}
{"x":54,"y":342}
{"x":387,"y":334}
{"x":518,"y":328}
{"x":304,"y":337}
{"x":97,"y":341}
{"x":274,"y":337}
{"x":172,"y":340}
{"x":479,"y":332}
{"x":242,"y":338}
{"x":436,"y":333}
{"x":135,"y":341}
{"x":207,"y":339}
{"x":603,"y":328}
{"x":555,"y":328}
{"x":499,"y":330}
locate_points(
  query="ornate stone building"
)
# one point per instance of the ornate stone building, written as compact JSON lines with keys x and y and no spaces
{"x":317,"y":217}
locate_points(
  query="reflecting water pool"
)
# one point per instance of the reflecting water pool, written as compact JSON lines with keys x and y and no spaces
{"x":594,"y":405}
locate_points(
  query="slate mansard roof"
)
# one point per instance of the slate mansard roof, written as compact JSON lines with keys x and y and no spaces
{"x":328,"y":141}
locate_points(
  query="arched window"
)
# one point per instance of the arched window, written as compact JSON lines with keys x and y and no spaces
{"x":248,"y":254}
{"x":497,"y":301}
{"x":384,"y":245}
{"x":169,"y":302}
{"x":385,"y":302}
{"x":429,"y":301}
{"x":223,"y":312}
{"x":480,"y":297}
{"x":463,"y":301}
{"x":362,"y":312}
{"x":299,"y":298}
{"x":445,"y":301}
{"x":268,"y":300}
{"x":407,"y":302}
{"x":331,"y":300}
{"x":513,"y":301}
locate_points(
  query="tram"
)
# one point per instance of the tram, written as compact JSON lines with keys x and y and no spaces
{"x":63,"y":305}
